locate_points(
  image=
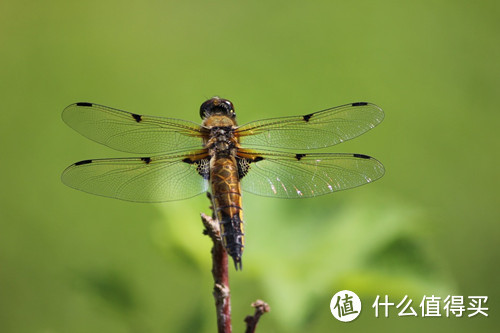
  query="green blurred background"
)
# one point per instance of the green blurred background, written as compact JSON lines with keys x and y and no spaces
{"x":73,"y":262}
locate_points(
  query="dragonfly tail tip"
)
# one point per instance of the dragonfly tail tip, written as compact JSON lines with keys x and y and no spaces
{"x":237,"y":263}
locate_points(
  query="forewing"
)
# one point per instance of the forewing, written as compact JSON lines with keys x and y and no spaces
{"x":147,"y":179}
{"x":316,"y":130}
{"x":130,"y":132}
{"x":287,"y":175}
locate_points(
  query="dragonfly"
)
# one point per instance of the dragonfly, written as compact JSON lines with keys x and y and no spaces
{"x":182,"y":159}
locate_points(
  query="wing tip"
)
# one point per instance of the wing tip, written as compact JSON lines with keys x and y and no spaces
{"x":366,"y":157}
{"x":87,"y":104}
{"x":65,"y":114}
{"x":359,"y":104}
{"x":83,"y":162}
{"x":374,"y":106}
{"x":79,"y":104}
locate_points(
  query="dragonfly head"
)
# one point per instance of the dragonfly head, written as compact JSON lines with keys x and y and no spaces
{"x":217,"y":106}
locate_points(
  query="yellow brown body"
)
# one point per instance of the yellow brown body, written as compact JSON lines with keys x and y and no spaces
{"x":224,"y":175}
{"x":226,"y":196}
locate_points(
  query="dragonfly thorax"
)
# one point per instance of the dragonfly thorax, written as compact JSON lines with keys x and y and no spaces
{"x":222,"y":141}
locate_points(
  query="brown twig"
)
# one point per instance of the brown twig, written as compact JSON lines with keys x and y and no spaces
{"x":221,"y":281}
{"x":220,"y":274}
{"x":261,"y":307}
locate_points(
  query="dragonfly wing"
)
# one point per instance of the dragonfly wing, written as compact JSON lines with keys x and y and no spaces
{"x":130,"y":132}
{"x":315,"y":130}
{"x":288,"y":175}
{"x":147,"y":179}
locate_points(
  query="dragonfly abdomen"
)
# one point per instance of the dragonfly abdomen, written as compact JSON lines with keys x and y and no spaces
{"x":226,"y":195}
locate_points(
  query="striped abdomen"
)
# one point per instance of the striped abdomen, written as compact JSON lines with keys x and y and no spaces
{"x":226,"y":196}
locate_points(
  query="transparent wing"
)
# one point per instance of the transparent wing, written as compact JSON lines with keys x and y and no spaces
{"x":287,"y":175}
{"x":130,"y":132}
{"x":147,"y":179}
{"x":315,"y":130}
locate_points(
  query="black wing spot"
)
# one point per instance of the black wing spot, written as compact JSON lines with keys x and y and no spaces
{"x":366,"y":157}
{"x":137,"y":117}
{"x":83,"y":104}
{"x":243,"y":166}
{"x":307,"y":117}
{"x":299,"y":156}
{"x":146,"y":160}
{"x":359,"y":104}
{"x":83,"y":162}
{"x":202,"y":166}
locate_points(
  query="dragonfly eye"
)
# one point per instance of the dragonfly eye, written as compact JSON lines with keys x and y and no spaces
{"x":217,"y":105}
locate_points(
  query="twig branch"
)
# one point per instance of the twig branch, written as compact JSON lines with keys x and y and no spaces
{"x":261,"y":307}
{"x":220,"y":274}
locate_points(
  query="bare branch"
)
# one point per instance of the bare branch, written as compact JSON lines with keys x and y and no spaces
{"x":261,"y":307}
{"x":220,"y":274}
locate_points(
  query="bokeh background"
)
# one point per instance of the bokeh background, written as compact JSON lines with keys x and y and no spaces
{"x":73,"y":262}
